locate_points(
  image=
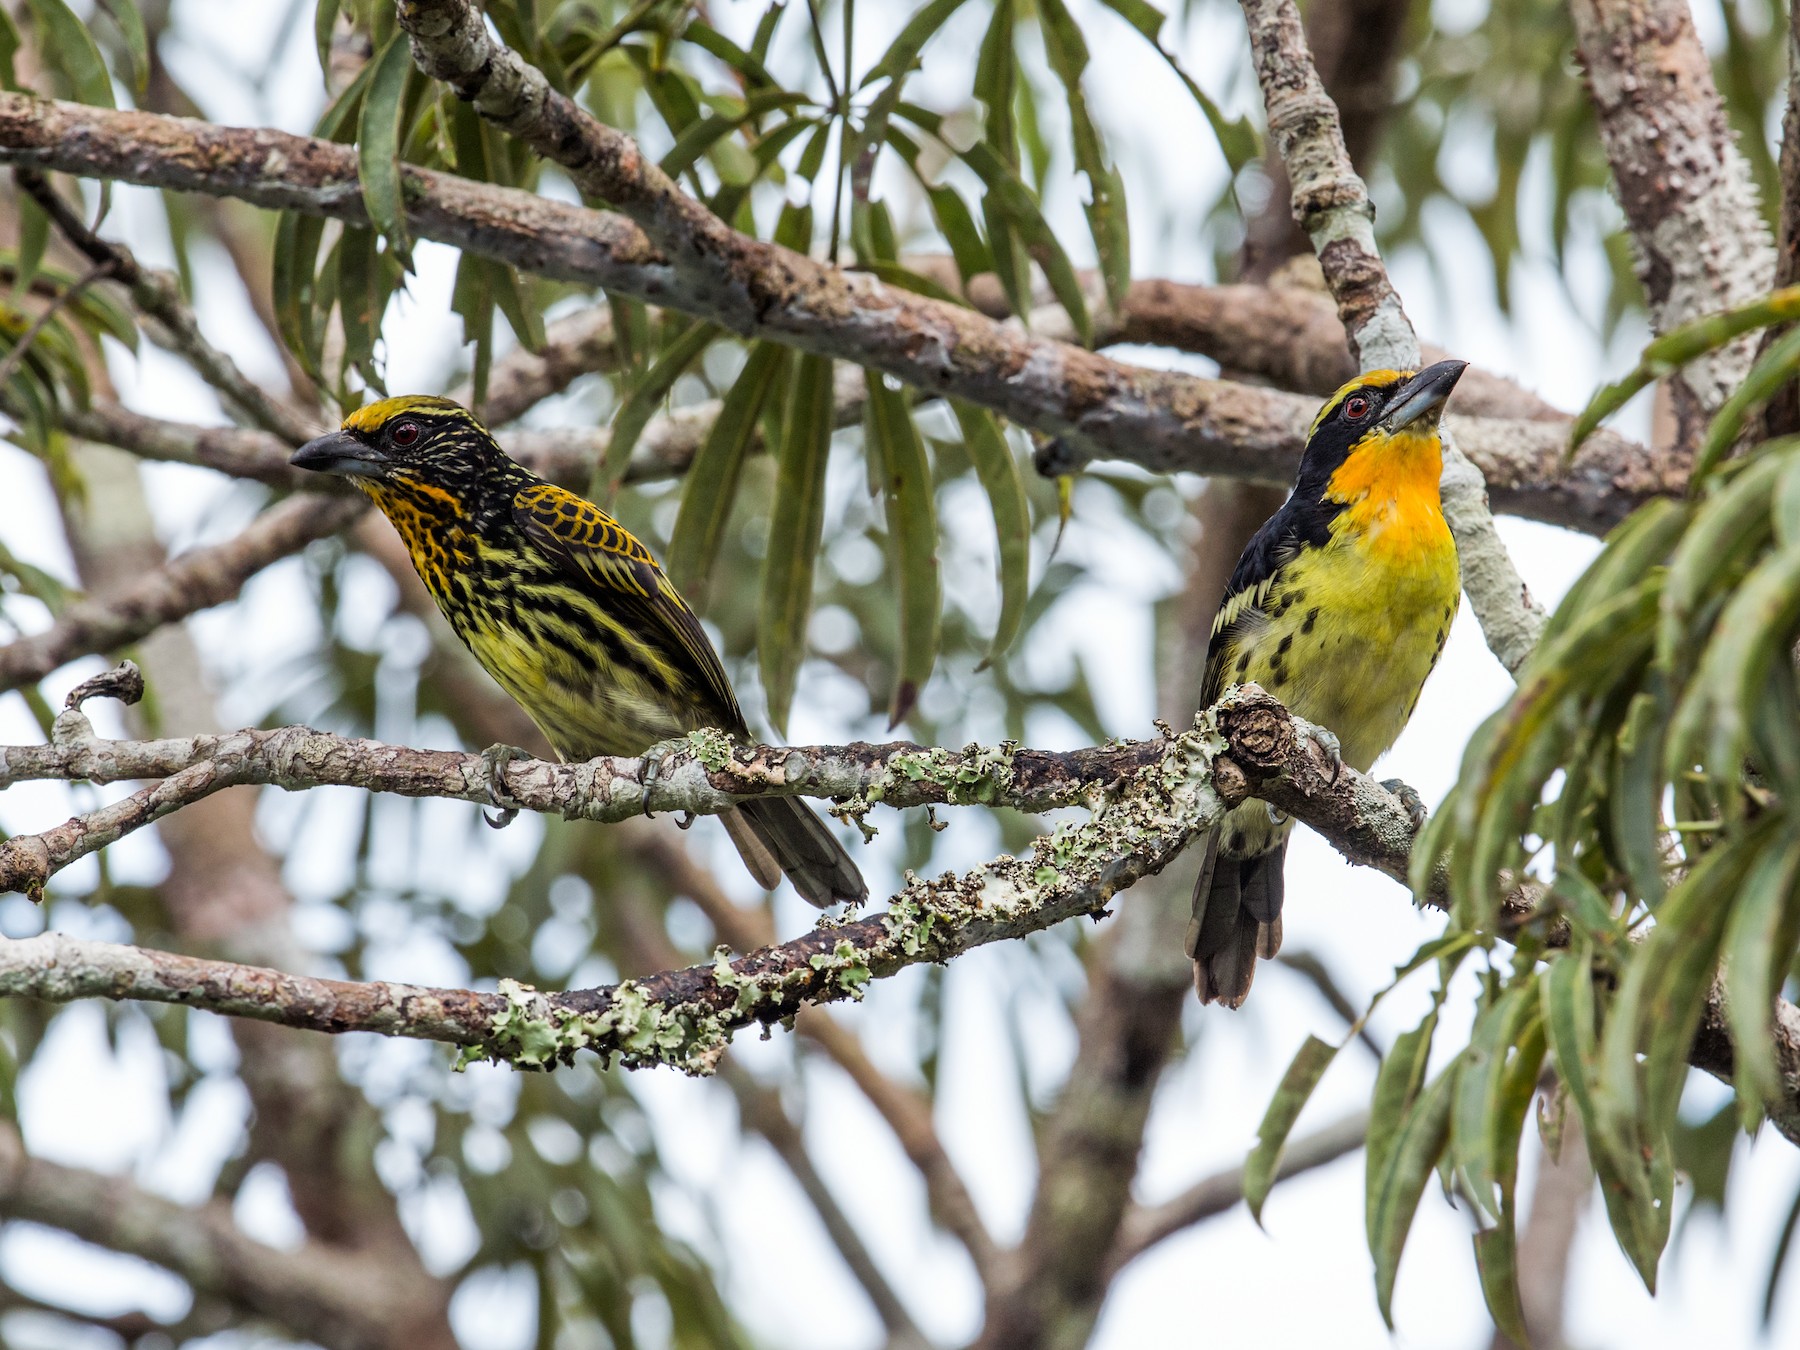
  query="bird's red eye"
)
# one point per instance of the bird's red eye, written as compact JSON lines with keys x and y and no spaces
{"x":1356,"y":407}
{"x":404,"y":433}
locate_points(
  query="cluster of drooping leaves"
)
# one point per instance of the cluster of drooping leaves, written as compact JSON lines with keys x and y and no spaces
{"x":51,"y":325}
{"x":1629,"y":824}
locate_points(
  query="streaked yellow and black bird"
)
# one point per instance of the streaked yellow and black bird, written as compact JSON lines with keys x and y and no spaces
{"x":566,"y":609}
{"x":1339,"y":607}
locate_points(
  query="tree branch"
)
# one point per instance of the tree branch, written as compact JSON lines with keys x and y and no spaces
{"x":1332,"y":205}
{"x":1146,"y":1225}
{"x":194,"y":581}
{"x":1685,"y":189}
{"x":159,"y":296}
{"x":341,"y":1300}
{"x":1245,"y":745}
{"x":1103,"y":408}
{"x":703,"y":775}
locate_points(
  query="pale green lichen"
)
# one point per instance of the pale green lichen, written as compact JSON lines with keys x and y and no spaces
{"x":711,"y":747}
{"x":1075,"y":868}
{"x":530,"y":1032}
{"x":980,"y":775}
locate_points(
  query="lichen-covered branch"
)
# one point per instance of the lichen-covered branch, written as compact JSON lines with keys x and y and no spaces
{"x":1684,"y":186}
{"x":1100,"y":407}
{"x":1245,"y":745}
{"x":702,"y":775}
{"x":194,"y":581}
{"x":686,"y":1017}
{"x":1332,"y":205}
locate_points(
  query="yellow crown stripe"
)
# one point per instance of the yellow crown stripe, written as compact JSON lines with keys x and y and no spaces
{"x":379,"y":414}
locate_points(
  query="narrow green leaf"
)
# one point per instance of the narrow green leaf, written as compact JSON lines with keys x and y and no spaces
{"x":294,"y":285}
{"x":898,"y":452}
{"x":1414,"y":1154}
{"x":958,"y":227}
{"x":34,"y":238}
{"x":1673,"y":350}
{"x":1759,"y":945}
{"x":1635,"y":797}
{"x":1772,"y":370}
{"x":641,"y":403}
{"x":1755,"y":629}
{"x":1787,"y":491}
{"x":710,"y":487}
{"x":325,"y":18}
{"x":765,"y":29}
{"x":378,"y":134}
{"x":1235,"y":135}
{"x":998,"y":470}
{"x":1496,"y":1249}
{"x":361,"y":300}
{"x":68,"y":47}
{"x":10,"y":42}
{"x":523,"y":317}
{"x":1297,"y":1084}
{"x":1012,"y":211}
{"x":709,"y":39}
{"x":795,"y":527}
{"x":901,"y":57}
{"x":137,"y":42}
{"x":1397,"y":1085}
{"x":1498,"y":1028}
{"x":1497,"y":1265}
{"x":1105,"y":203}
{"x":1783,"y":1245}
{"x":1587,"y":909}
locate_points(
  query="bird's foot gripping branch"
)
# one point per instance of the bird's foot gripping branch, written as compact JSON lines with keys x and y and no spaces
{"x":1146,"y":801}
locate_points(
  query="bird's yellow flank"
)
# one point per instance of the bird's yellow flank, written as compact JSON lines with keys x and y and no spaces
{"x":1340,"y":606}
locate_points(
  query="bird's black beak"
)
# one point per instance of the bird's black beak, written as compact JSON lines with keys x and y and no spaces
{"x":341,"y":453}
{"x":1423,"y":395}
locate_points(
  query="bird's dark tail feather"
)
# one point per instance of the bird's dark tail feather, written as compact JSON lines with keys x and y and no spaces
{"x":801,"y":845}
{"x":1237,"y":919}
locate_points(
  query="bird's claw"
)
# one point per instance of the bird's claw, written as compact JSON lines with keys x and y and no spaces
{"x":1329,"y":747}
{"x":1409,"y":799}
{"x":495,"y":759}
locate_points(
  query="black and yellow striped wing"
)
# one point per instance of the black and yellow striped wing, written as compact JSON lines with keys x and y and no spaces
{"x":1296,"y":526}
{"x":615,"y":570}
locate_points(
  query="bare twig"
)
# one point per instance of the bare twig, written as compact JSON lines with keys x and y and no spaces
{"x":22,"y":348}
{"x":339,"y":1299}
{"x":1211,"y":1196}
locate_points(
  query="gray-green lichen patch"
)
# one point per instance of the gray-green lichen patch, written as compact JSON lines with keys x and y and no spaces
{"x":531,"y":1032}
{"x":711,"y":747}
{"x":977,"y":776}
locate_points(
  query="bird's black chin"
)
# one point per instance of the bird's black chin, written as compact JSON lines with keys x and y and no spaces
{"x":338,"y":452}
{"x":1422,"y":397}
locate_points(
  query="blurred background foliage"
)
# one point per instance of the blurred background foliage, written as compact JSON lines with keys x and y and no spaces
{"x":935,"y":595}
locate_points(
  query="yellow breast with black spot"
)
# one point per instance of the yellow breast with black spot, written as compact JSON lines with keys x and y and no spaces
{"x":1345,"y":632}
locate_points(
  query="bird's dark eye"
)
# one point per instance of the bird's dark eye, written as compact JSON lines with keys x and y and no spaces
{"x":404,"y":433}
{"x":1356,"y":407}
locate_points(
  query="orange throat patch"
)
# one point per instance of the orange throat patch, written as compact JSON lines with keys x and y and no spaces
{"x":1390,"y":493}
